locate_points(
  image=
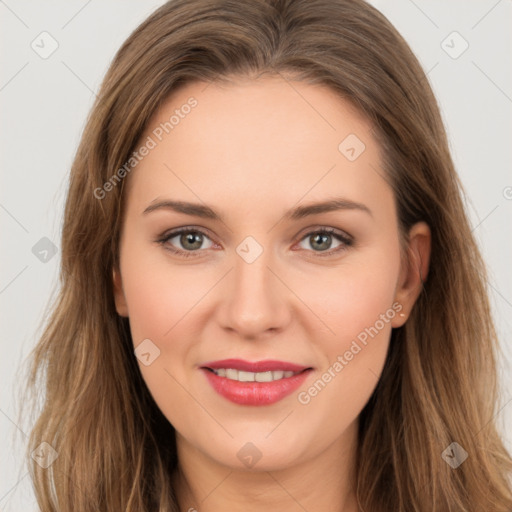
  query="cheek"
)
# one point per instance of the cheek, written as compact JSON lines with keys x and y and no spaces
{"x":165,"y":304}
{"x":351,"y":298}
{"x":358,"y":307}
{"x":160,"y":295}
{"x":162,"y":299}
{"x":362,"y":299}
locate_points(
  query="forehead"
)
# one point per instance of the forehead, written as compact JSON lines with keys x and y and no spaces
{"x":263,"y":139}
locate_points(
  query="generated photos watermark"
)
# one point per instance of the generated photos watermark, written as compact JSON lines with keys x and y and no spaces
{"x":305,"y":397}
{"x":149,"y":144}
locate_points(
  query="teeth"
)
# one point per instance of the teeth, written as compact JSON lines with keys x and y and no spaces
{"x":242,"y":376}
{"x":232,"y":374}
{"x":246,"y":376}
{"x":266,"y":376}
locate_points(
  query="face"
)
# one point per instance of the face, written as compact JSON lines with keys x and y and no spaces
{"x":260,"y":268}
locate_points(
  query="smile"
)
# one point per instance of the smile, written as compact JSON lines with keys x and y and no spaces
{"x":256,"y":384}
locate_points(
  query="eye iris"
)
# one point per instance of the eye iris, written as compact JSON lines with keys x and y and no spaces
{"x":323,"y":239}
{"x":195,"y":239}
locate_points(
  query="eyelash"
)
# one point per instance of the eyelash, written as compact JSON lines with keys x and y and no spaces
{"x":343,"y":238}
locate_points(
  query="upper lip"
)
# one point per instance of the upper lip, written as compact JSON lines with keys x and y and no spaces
{"x":256,"y":366}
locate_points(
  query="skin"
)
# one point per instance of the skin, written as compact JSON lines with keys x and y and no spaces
{"x":252,"y":150}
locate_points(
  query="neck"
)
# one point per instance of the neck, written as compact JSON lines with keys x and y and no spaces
{"x":325,"y":482}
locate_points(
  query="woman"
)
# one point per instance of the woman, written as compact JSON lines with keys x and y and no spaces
{"x":271,"y":296}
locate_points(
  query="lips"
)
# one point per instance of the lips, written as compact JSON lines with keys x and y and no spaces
{"x":254,"y":383}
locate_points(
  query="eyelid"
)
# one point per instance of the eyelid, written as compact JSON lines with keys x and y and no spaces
{"x":343,"y":235}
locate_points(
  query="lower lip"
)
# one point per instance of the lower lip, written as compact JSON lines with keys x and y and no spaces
{"x":255,"y":393}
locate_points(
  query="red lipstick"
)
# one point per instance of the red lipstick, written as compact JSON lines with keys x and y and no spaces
{"x":254,"y":383}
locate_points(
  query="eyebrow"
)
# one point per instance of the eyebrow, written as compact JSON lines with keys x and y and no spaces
{"x":204,"y":211}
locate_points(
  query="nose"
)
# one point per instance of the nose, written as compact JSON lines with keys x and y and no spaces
{"x":255,"y":301}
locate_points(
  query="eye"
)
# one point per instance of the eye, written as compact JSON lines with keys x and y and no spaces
{"x":185,"y":241}
{"x":189,"y":242}
{"x":321,"y":241}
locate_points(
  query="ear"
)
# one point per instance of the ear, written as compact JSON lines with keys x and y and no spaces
{"x":414,"y":270}
{"x":119,"y":298}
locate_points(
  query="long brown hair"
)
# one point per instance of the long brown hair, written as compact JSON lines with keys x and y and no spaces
{"x":116,"y":451}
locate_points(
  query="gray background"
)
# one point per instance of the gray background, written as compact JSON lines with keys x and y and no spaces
{"x":44,"y":103}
